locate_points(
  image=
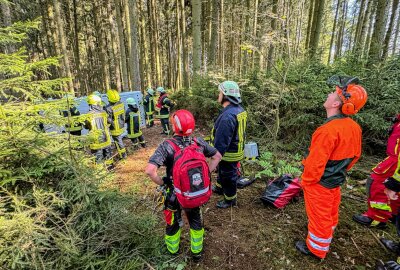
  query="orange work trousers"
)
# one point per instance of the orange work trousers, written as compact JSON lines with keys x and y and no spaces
{"x":322,"y":208}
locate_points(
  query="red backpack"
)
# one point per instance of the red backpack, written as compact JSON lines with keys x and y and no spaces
{"x":191,"y":175}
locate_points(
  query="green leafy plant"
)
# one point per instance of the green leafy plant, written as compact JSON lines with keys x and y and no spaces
{"x":273,"y":167}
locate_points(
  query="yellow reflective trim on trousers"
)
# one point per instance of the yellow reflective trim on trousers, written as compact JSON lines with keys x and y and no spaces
{"x":397,"y":146}
{"x":380,"y":206}
{"x":172,"y":241}
{"x":398,"y":260}
{"x":230,"y":198}
{"x":120,"y":151}
{"x":97,"y":145}
{"x":196,"y":239}
{"x":162,"y":116}
{"x":218,"y":185}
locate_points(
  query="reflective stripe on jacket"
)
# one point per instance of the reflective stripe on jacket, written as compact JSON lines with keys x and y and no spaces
{"x":229,"y":132}
{"x":97,"y":125}
{"x":116,"y":118}
{"x":133,"y":121}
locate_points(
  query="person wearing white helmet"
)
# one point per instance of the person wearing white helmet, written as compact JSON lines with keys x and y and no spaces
{"x":228,"y":137}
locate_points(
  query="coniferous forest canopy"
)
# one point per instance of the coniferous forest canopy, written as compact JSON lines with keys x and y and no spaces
{"x":58,"y":210}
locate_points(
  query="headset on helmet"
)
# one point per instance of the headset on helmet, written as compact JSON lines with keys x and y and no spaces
{"x":183,"y":122}
{"x":352,"y":95}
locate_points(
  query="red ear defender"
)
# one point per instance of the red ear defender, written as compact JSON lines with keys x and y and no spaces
{"x":349,"y":109}
{"x":353,"y":97}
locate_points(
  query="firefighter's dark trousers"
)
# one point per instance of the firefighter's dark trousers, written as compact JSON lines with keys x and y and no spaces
{"x":228,"y":175}
{"x":119,"y":144}
{"x":137,"y":140}
{"x":165,"y":125}
{"x":103,"y":155}
{"x":173,"y":218}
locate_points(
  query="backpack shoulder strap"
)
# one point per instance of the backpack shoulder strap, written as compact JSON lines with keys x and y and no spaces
{"x":177,"y":148}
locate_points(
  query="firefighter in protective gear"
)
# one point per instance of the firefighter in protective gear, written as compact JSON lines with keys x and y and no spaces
{"x":392,"y":189}
{"x":97,"y":93}
{"x":133,"y":121}
{"x":228,"y":137}
{"x":183,"y":126}
{"x":116,"y":118}
{"x":74,"y":127}
{"x":335,"y":148}
{"x":98,"y":127}
{"x":380,"y":210}
{"x":148,"y":103}
{"x":163,"y":108}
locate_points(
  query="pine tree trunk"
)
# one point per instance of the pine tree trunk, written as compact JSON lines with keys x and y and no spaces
{"x":76,"y":48}
{"x":134,"y":60}
{"x":178,"y":46}
{"x":333,"y":31}
{"x":272,"y":45}
{"x":375,"y":51}
{"x":5,"y":8}
{"x":155,"y":44}
{"x":389,"y":32}
{"x":253,"y":58}
{"x":370,"y":29}
{"x":360,"y":21}
{"x":115,"y":47}
{"x":144,"y":47}
{"x":102,"y":51}
{"x":184,"y":46}
{"x":396,"y":35}
{"x":212,"y":50}
{"x":246,"y":33}
{"x":222,"y":38}
{"x":363,"y":31}
{"x":196,"y":12}
{"x":60,"y":27}
{"x":127,"y":37}
{"x":122,"y":52}
{"x":310,"y":23}
{"x":317,"y":23}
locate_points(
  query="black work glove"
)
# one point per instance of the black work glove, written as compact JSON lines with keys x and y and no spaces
{"x":392,"y":184}
{"x":167,"y":181}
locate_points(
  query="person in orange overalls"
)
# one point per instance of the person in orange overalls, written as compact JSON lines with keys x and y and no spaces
{"x":380,"y":209}
{"x":335,"y":148}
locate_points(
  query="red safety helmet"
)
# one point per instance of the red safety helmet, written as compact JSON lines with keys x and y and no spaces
{"x":183,"y":122}
{"x":353,"y":97}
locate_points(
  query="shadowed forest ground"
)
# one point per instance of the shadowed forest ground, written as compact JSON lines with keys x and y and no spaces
{"x":252,"y":236}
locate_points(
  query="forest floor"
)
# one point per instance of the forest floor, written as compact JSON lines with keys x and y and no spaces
{"x":252,"y":236}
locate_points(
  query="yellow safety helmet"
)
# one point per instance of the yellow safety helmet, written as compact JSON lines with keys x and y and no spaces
{"x":93,"y":100}
{"x":113,"y":96}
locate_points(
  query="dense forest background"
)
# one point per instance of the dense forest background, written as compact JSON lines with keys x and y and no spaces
{"x":57,"y":210}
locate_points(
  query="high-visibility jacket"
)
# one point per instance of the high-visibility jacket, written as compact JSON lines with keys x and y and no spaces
{"x":116,"y":117}
{"x":75,"y":124}
{"x":148,"y":103}
{"x":335,"y":148}
{"x":133,"y":122}
{"x":97,"y":126}
{"x":163,"y":107}
{"x":229,"y":132}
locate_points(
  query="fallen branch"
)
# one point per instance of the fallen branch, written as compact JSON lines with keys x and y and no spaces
{"x":354,"y":242}
{"x":377,"y":240}
{"x":353,"y":198}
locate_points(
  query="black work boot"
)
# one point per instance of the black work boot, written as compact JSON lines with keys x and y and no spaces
{"x":392,"y":265}
{"x":223,"y":204}
{"x":369,"y":222}
{"x":302,"y":247}
{"x":197,"y":257}
{"x":216,"y":189}
{"x":390,"y":245}
{"x":143,"y":145}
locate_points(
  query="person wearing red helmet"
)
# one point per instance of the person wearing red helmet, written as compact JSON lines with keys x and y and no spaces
{"x":183,"y":125}
{"x":380,"y":209}
{"x":335,"y":148}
